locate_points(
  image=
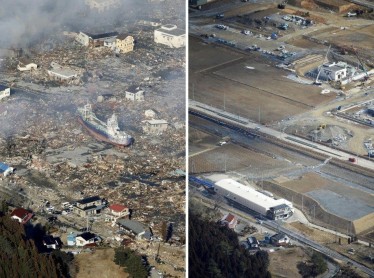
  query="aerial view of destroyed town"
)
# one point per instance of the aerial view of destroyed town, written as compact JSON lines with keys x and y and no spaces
{"x":92,"y":138}
{"x":281,"y":130}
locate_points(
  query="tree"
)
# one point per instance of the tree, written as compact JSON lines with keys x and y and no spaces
{"x":319,"y":264}
{"x":164,"y":230}
{"x":169,"y":232}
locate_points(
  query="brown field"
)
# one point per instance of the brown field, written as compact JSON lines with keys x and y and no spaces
{"x":283,"y":263}
{"x":219,"y":77}
{"x":99,"y":264}
{"x":232,"y":157}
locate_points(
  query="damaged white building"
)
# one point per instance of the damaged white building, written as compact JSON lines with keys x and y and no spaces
{"x":155,"y":126}
{"x":59,"y":72}
{"x":170,"y":36}
{"x":334,"y":71}
{"x":26,"y":65}
{"x":134,"y":94}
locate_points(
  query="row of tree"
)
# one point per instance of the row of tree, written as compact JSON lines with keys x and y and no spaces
{"x":214,"y":251}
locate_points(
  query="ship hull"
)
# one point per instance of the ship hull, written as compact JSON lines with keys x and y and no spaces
{"x":100,"y":136}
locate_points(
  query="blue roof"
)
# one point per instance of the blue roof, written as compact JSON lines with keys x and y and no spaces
{"x":2,"y":87}
{"x":3,"y":167}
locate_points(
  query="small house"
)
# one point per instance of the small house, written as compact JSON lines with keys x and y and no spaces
{"x":21,"y":215}
{"x":71,"y":239}
{"x":51,"y":242}
{"x":279,"y":239}
{"x":5,"y":170}
{"x":155,"y":126}
{"x":252,"y":242}
{"x":119,"y":210}
{"x":229,"y":221}
{"x":87,"y":238}
{"x":88,"y":206}
{"x":4,"y":92}
{"x":95,"y":40}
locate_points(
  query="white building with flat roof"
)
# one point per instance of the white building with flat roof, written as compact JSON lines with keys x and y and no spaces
{"x":170,"y":36}
{"x":252,"y":199}
{"x":61,"y":73}
{"x":334,"y":71}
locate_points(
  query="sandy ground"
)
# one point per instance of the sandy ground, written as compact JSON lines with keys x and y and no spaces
{"x":99,"y":264}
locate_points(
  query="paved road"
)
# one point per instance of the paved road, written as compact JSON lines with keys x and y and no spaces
{"x":245,"y":123}
{"x":327,"y":251}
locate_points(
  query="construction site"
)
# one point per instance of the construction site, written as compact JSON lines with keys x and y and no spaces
{"x":281,"y":100}
{"x":55,"y":156}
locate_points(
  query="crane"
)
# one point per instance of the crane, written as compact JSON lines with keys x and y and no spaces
{"x":362,"y":65}
{"x":316,"y":82}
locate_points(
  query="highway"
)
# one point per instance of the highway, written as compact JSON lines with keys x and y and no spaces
{"x":236,"y":120}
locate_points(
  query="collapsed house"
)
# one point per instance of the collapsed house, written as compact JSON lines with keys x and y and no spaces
{"x":170,"y":36}
{"x":26,"y":65}
{"x":4,"y":92}
{"x":5,"y":170}
{"x":61,"y":73}
{"x":124,"y":44}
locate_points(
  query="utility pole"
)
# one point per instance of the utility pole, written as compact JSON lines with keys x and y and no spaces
{"x":193,"y":91}
{"x":259,"y":114}
{"x":224,"y":101}
{"x":302,"y":203}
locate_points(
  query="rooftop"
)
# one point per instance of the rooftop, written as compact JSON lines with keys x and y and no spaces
{"x":228,"y":217}
{"x":278,"y":236}
{"x":2,"y":87}
{"x":156,"y":122}
{"x":87,"y":236}
{"x":3,"y":167}
{"x":102,"y":36}
{"x":250,"y":194}
{"x":132,"y":225}
{"x":89,"y":200}
{"x":65,"y":72}
{"x":174,"y":32}
{"x":123,"y":36}
{"x":19,"y":212}
{"x":117,"y":208}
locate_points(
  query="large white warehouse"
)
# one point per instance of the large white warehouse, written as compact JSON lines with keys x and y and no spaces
{"x":254,"y":200}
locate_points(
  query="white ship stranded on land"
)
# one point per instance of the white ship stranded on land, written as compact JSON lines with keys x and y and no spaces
{"x":107,"y":132}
